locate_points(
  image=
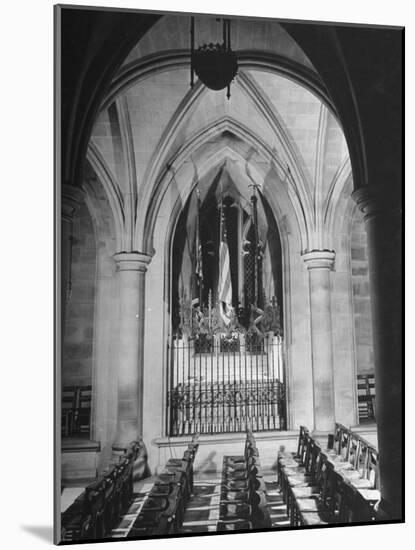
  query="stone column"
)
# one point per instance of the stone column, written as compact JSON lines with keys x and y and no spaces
{"x":71,"y":200}
{"x":319,"y":264}
{"x":383,"y":220}
{"x":131,"y":273}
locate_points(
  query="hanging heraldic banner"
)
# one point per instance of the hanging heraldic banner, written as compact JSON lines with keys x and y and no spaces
{"x":228,"y":254}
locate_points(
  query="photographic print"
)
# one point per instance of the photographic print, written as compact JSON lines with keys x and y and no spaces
{"x":229,"y":274}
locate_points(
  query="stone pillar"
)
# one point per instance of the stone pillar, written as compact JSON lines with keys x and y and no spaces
{"x":131,"y":273}
{"x":383,"y":220}
{"x":71,"y":200}
{"x":319,"y":264}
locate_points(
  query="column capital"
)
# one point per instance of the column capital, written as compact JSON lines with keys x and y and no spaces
{"x":319,"y":259}
{"x":132,"y":261}
{"x":372,"y":199}
{"x":71,"y":199}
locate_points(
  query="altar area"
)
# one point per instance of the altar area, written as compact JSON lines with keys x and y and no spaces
{"x":225,"y":381}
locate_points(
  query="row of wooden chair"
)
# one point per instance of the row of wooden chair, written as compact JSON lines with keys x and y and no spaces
{"x":164,"y":508}
{"x":366,"y":392}
{"x":96,"y":511}
{"x":243,"y":503}
{"x":334,"y":485}
{"x":76,"y":410}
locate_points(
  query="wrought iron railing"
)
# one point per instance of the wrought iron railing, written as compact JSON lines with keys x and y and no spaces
{"x":226,"y":383}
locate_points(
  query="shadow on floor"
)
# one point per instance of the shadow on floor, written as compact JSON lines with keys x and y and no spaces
{"x":42,"y":532}
{"x":208,"y":466}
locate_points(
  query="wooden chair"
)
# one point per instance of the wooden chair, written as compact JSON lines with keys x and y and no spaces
{"x":238,"y":525}
{"x":364,"y":484}
{"x":150,"y":522}
{"x":95,"y":512}
{"x":289,"y":459}
{"x":297,"y":472}
{"x":185,"y":464}
{"x":171,"y":488}
{"x":366,"y":396}
{"x":308,"y":489}
{"x":110,"y":511}
{"x":82,"y":414}
{"x":75,"y":522}
{"x":69,"y":398}
{"x":356,"y":505}
{"x":95,"y":503}
{"x":243,"y":498}
{"x":363,"y":471}
{"x":126,"y":480}
{"x":234,"y":511}
{"x":162,"y":511}
{"x":320,"y":510}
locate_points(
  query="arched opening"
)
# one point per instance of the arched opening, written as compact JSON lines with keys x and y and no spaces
{"x":225,"y":366}
{"x":282,"y":134}
{"x":150,"y":121}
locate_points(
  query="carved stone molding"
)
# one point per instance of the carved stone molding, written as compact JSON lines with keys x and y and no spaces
{"x":71,"y":200}
{"x":132,"y":261}
{"x":319,"y":259}
{"x":373,"y":200}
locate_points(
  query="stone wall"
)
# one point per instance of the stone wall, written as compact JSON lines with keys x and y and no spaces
{"x":361,"y":296}
{"x":77,"y":356}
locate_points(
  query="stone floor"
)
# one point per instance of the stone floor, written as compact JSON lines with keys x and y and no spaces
{"x":141,"y":490}
{"x":277,"y":508}
{"x":202,"y":512}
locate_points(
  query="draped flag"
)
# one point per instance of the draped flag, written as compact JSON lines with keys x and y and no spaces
{"x":198,"y":246}
{"x":198,"y":279}
{"x":225,"y":283}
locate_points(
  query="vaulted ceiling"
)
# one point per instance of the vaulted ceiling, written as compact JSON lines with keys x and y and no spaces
{"x":278,"y":124}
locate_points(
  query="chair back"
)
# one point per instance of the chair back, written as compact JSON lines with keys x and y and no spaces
{"x":303,"y":433}
{"x":354,"y":452}
{"x":69,"y":399}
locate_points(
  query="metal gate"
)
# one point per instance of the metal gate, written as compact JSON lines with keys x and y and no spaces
{"x":225,"y":383}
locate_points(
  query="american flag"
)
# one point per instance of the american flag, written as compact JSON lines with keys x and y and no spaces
{"x":198,"y":280}
{"x":198,"y":244}
{"x":225,"y":283}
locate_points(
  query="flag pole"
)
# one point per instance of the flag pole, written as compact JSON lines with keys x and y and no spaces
{"x":220,"y":242}
{"x":254,"y":200}
{"x":221,"y":211}
{"x":199,"y":250}
{"x":225,"y":282}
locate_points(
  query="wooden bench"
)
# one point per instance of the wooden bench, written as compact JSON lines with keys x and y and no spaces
{"x":313,"y":502}
{"x":69,"y":396}
{"x":76,"y":410}
{"x":243,"y":504}
{"x":95,"y":512}
{"x":366,"y":396}
{"x":334,"y":485}
{"x":360,"y":482}
{"x":163,"y":510}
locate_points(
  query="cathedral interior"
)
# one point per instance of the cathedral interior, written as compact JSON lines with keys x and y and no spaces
{"x":230,"y":256}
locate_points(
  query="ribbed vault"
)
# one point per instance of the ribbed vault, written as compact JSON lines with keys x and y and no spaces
{"x":279,"y":127}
